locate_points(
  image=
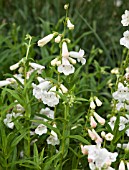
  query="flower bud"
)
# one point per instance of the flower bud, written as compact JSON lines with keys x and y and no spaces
{"x":66,"y":6}
{"x":58,"y":39}
{"x":122,"y":165}
{"x":127,"y":165}
{"x":4,"y":83}
{"x":70,"y":25}
{"x":14,"y":67}
{"x":103,"y":134}
{"x":65,"y":52}
{"x":93,"y":123}
{"x":92,"y":105}
{"x":91,"y":134}
{"x":55,"y":62}
{"x":45,"y":40}
{"x":98,"y":102}
{"x":63,"y":88}
{"x":99,"y":118}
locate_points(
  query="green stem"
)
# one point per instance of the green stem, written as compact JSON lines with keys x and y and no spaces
{"x":66,"y":133}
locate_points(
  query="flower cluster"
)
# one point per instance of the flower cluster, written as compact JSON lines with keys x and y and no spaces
{"x":99,"y":158}
{"x":125,"y":22}
{"x":17,"y":111}
{"x":67,"y":59}
{"x":46,"y":92}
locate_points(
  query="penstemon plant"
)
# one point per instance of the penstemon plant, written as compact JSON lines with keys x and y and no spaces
{"x":40,"y":127}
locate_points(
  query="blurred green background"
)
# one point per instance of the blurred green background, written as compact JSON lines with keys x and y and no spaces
{"x":97,"y":23}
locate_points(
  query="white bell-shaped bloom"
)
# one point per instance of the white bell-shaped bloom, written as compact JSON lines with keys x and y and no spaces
{"x":41,"y":129}
{"x":53,"y":138}
{"x":122,"y":165}
{"x":50,"y":98}
{"x":63,"y":88}
{"x":93,"y":123}
{"x":65,"y":52}
{"x":15,"y":66}
{"x":125,"y":18}
{"x":78,"y":55}
{"x":58,"y":39}
{"x":99,"y":118}
{"x":66,"y":67}
{"x":92,"y":105}
{"x":70,"y":25}
{"x":47,"y":112}
{"x":122,"y":93}
{"x":125,"y":40}
{"x":109,"y":137}
{"x":8,"y":121}
{"x":45,"y":40}
{"x":4,"y":83}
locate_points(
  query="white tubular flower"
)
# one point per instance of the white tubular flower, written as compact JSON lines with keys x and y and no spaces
{"x":109,"y":137}
{"x":53,"y":138}
{"x":125,"y":18}
{"x":73,"y":61}
{"x":37,"y":67}
{"x":49,"y":113}
{"x":93,"y":123}
{"x":15,"y":66}
{"x":63,"y":88}
{"x":99,"y":118}
{"x":45,"y":40}
{"x":122,"y":93}
{"x":125,"y":40}
{"x":65,"y":52}
{"x":78,"y":55}
{"x":66,"y":67}
{"x":41,"y":129}
{"x":127,"y":165}
{"x":50,"y":98}
{"x":98,"y":102}
{"x":91,"y":134}
{"x":103,"y":134}
{"x":92,"y":105}
{"x":84,"y":150}
{"x":70,"y":25}
{"x":122,"y":165}
{"x":98,"y":139}
{"x":55,"y":62}
{"x":4,"y":83}
{"x":8,"y":121}
{"x":58,"y":39}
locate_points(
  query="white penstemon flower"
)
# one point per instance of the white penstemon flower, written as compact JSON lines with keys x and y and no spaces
{"x":122,"y":165}
{"x":41,"y":129}
{"x":95,"y":160}
{"x":109,"y":137}
{"x":125,"y":18}
{"x":65,"y":67}
{"x":98,"y":102}
{"x":99,"y":118}
{"x":93,"y":123}
{"x":53,"y":138}
{"x":4,"y":83}
{"x":92,"y":105}
{"x":37,"y":67}
{"x":58,"y":39}
{"x":47,"y":112}
{"x":45,"y":40}
{"x":70,"y":25}
{"x":122,"y":93}
{"x":78,"y":55}
{"x":125,"y":40}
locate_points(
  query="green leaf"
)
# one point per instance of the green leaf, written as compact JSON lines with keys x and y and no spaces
{"x":78,"y":137}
